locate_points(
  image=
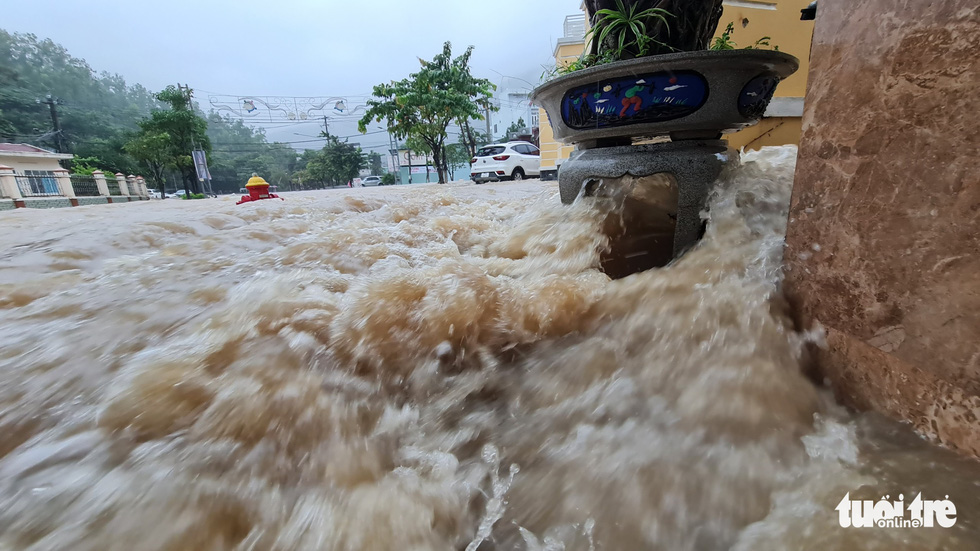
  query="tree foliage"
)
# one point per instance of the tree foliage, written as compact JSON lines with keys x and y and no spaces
{"x":423,"y":105}
{"x":336,"y":164}
{"x":183,"y":130}
{"x":152,"y":150}
{"x":96,"y":111}
{"x":515,"y":127}
{"x":374,"y":163}
{"x":116,"y":127}
{"x":473,"y":139}
{"x":457,"y":155}
{"x":239,"y":150}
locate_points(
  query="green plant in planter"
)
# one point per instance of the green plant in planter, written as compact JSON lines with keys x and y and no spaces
{"x":624,"y":32}
{"x":584,"y":62}
{"x":627,"y":29}
{"x":725,"y":42}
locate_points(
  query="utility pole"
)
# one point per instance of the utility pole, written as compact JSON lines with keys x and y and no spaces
{"x":489,"y":135}
{"x":59,"y":138}
{"x":326,"y":129}
{"x":396,"y":164}
{"x":186,"y":91}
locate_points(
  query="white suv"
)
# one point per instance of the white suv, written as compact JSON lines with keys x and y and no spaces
{"x":505,"y":161}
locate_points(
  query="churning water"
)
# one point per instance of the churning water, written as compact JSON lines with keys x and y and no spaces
{"x":426,"y":367}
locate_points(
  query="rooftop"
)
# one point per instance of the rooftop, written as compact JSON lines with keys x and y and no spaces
{"x":26,"y":150}
{"x":23,"y":148}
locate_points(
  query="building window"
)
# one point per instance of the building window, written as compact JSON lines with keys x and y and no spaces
{"x":38,"y":182}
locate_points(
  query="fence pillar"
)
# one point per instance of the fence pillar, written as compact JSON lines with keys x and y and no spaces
{"x":8,"y":183}
{"x":64,"y":183}
{"x":141,"y":186}
{"x":131,"y":185}
{"x":121,"y":180}
{"x":100,"y":182}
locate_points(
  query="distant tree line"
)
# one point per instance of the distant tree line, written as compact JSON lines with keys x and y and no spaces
{"x":113,"y":126}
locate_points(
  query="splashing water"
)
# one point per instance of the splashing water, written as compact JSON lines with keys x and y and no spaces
{"x":426,"y":367}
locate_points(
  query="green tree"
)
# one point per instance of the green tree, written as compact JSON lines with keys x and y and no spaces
{"x":514,"y":127}
{"x":457,"y":156}
{"x":424,"y":104}
{"x":336,"y":164}
{"x":85,"y":165}
{"x":310,"y":173}
{"x":6,"y":127}
{"x":96,"y":111}
{"x":374,"y":163}
{"x":473,"y":139}
{"x":342,"y":160}
{"x":100,"y":113}
{"x":480,"y":92}
{"x":239,"y":150}
{"x":154,"y":152}
{"x":184,"y":130}
{"x":418,"y":146}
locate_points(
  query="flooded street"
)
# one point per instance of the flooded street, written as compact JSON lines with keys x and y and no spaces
{"x":427,"y":367}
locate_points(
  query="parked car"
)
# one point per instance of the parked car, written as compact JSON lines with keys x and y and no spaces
{"x":180,"y":193}
{"x":155,"y":194}
{"x":505,"y":161}
{"x":371,"y":181}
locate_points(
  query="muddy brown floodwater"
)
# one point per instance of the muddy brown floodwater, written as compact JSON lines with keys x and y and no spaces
{"x":427,"y":367}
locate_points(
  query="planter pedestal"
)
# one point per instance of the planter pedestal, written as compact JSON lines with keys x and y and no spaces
{"x":657,"y":191}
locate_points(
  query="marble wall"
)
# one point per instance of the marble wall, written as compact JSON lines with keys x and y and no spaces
{"x":883,"y":246}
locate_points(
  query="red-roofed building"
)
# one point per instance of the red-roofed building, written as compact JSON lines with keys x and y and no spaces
{"x":23,"y":157}
{"x":34,"y":168}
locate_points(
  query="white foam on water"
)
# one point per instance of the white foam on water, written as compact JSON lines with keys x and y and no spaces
{"x":422,"y":367}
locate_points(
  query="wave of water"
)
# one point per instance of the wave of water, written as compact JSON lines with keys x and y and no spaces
{"x":426,"y":367}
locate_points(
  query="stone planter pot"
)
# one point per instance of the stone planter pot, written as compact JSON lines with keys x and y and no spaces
{"x":656,"y":190}
{"x":698,"y":94}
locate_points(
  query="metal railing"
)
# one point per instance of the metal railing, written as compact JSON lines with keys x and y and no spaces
{"x":113,"y":185}
{"x":574,"y":28}
{"x":84,"y":185}
{"x":37,"y":185}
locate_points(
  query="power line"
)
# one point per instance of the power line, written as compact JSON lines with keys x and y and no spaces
{"x":297,"y":141}
{"x":266,"y":144}
{"x":366,"y":96}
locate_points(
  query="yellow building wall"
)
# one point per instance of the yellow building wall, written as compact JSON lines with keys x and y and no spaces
{"x":771,"y":131}
{"x":777,"y":19}
{"x":21,"y":163}
{"x":552,"y":152}
{"x":780,"y":21}
{"x":567,"y":53}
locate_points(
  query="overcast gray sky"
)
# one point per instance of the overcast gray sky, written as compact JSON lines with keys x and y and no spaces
{"x":294,"y":47}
